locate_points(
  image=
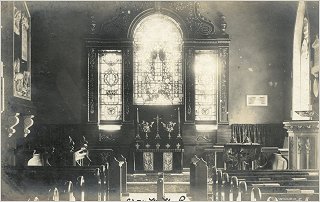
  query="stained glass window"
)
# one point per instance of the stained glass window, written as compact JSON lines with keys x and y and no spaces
{"x":157,"y":62}
{"x":110,"y":85}
{"x":205,"y":68}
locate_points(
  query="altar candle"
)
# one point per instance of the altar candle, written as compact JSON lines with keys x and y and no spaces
{"x":137,"y":115}
{"x":179,"y":115}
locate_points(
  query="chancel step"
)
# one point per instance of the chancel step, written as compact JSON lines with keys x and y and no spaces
{"x":152,"y":177}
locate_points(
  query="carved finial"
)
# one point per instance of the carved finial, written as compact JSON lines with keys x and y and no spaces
{"x":93,"y":25}
{"x":28,"y":122}
{"x":13,"y":121}
{"x":223,"y":24}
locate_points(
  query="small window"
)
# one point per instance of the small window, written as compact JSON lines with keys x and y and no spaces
{"x":205,"y":71}
{"x":110,"y":85}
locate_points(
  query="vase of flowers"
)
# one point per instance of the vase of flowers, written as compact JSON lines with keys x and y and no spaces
{"x":169,"y":127}
{"x":146,"y":127}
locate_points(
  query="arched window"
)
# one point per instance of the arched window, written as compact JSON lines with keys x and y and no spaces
{"x":301,"y":67}
{"x":157,"y":61}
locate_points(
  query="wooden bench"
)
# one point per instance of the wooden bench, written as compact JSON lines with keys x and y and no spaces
{"x":271,"y":185}
{"x":37,"y":181}
{"x":243,"y":185}
{"x":257,"y":195}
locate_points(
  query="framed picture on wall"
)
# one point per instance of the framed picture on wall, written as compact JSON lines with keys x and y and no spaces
{"x":21,"y":51}
{"x":257,"y":100}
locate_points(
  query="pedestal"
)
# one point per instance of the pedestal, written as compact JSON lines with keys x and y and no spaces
{"x":302,"y":141}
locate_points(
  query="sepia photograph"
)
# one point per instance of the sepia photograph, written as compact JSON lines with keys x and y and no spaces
{"x":159,"y":100}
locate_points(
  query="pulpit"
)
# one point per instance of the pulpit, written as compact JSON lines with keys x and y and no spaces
{"x":303,"y":144}
{"x":240,"y":156}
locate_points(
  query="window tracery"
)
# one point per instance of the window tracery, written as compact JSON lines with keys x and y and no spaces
{"x":157,"y":62}
{"x":205,"y":65}
{"x":110,"y":85}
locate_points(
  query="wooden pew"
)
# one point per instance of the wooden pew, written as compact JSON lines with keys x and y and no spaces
{"x":277,"y":187}
{"x":235,"y":188}
{"x":199,"y":180}
{"x":115,"y":183}
{"x":220,"y":185}
{"x":272,"y":184}
{"x":257,"y":195}
{"x":214,"y":183}
{"x":193,"y":163}
{"x":243,"y":189}
{"x":226,"y":186}
{"x":124,"y":173}
{"x":53,"y":194}
{"x":39,"y":180}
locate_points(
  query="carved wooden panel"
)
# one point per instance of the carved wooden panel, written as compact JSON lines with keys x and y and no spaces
{"x":92,"y":85}
{"x":223,"y":81}
{"x":21,"y":51}
{"x":127,"y":85}
{"x":189,"y":82}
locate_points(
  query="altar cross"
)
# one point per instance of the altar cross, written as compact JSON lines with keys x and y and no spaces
{"x":157,"y":121}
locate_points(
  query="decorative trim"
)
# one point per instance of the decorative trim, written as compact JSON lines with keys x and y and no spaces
{"x":223,"y":84}
{"x":200,"y":26}
{"x":21,"y":62}
{"x":27,"y":123}
{"x":299,"y":145}
{"x":127,"y":81}
{"x":93,"y":25}
{"x":106,"y":137}
{"x":104,"y":156}
{"x":200,"y":137}
{"x":189,"y":55}
{"x":223,"y":24}
{"x":13,"y":120}
{"x":128,"y":14}
{"x":123,"y":17}
{"x":308,"y":146}
{"x":302,"y":126}
{"x":92,"y":57}
{"x":291,"y":151}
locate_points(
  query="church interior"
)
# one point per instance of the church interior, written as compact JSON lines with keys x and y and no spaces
{"x":159,"y":100}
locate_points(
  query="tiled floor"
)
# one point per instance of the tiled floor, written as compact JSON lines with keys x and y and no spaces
{"x":153,"y":197}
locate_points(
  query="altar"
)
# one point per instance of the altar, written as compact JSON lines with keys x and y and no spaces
{"x":158,"y":160}
{"x":158,"y":145}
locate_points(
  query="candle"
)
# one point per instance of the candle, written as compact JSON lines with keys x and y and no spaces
{"x":179,"y":115}
{"x":137,"y":115}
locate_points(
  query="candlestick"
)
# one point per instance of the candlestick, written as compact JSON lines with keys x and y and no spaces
{"x":137,"y":132}
{"x":137,"y":115}
{"x":179,"y":132}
